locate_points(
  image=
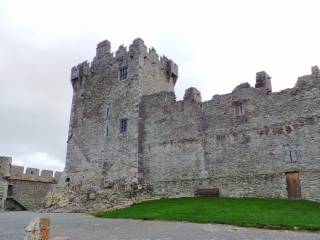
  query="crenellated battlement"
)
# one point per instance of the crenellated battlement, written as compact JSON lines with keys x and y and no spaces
{"x":308,"y":81}
{"x":262,"y":87}
{"x":263,"y":82}
{"x":27,"y":174}
{"x":26,"y":186}
{"x":5,"y":163}
{"x":137,"y":55}
{"x":33,"y":174}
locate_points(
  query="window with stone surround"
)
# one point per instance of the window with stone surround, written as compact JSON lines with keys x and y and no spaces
{"x":123,"y":73}
{"x":238,"y":109}
{"x":108,"y":112}
{"x":221,"y":140}
{"x":123,"y":125}
{"x":107,"y":131}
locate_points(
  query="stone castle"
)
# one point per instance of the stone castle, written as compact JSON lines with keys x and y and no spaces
{"x":130,"y":140}
{"x":21,"y":190}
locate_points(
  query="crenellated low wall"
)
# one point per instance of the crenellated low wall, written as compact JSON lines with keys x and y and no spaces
{"x":24,"y":187}
{"x":33,"y":174}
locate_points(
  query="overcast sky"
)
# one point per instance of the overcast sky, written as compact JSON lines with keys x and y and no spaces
{"x":217,"y":45}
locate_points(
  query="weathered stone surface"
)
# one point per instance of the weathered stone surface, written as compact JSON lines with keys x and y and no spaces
{"x":192,"y":94}
{"x":27,"y":190}
{"x":5,"y":163}
{"x":242,"y":143}
{"x":263,"y":80}
{"x":38,"y":229}
{"x":241,"y":86}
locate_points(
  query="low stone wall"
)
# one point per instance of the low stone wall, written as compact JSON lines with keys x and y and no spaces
{"x":22,"y":189}
{"x":30,"y":193}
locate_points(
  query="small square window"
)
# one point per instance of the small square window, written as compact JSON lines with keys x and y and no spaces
{"x":123,"y":73}
{"x":123,"y":125}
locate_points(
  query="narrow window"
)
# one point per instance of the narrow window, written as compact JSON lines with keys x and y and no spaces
{"x":239,"y":109}
{"x":108,"y":112}
{"x":123,"y":125}
{"x":107,"y":131}
{"x":10,"y":191}
{"x":290,"y":155}
{"x":123,"y":73}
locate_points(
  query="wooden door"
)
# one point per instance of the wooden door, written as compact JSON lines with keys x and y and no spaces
{"x":293,"y":185}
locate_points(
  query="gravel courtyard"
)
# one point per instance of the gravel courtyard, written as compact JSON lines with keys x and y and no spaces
{"x":86,"y":227}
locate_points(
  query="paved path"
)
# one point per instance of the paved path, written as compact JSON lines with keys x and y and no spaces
{"x":86,"y":227}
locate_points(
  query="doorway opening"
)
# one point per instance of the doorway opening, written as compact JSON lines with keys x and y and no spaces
{"x":293,"y":185}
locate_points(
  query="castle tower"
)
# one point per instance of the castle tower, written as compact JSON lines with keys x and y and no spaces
{"x":105,"y":132}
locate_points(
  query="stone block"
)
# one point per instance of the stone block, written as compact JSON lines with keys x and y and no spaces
{"x":38,"y":229}
{"x":263,"y":80}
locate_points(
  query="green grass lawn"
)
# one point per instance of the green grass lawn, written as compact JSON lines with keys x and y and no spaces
{"x":249,"y":212}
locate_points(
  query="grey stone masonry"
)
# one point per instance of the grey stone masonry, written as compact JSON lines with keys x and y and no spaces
{"x":5,"y":163}
{"x":130,"y":140}
{"x":263,"y":80}
{"x":28,"y":189}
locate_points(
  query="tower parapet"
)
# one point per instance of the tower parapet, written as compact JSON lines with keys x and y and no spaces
{"x":192,"y":94}
{"x":103,"y":49}
{"x":78,"y":74}
{"x":5,"y":163}
{"x":263,"y":80}
{"x":308,"y":81}
{"x":315,"y":71}
{"x":163,"y":70}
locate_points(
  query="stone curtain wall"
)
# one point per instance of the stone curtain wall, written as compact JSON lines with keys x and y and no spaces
{"x":30,"y":188}
{"x":173,"y":157}
{"x":243,"y":142}
{"x":189,"y":144}
{"x":30,"y":194}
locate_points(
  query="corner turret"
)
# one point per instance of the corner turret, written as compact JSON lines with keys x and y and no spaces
{"x":78,"y":74}
{"x":263,"y":80}
{"x":308,"y":81}
{"x":192,"y":94}
{"x":103,"y":49}
{"x":315,"y":71}
{"x":5,"y":165}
